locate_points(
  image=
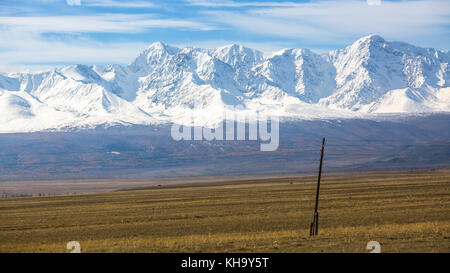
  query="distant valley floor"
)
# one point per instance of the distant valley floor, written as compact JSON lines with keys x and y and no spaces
{"x":396,"y":143}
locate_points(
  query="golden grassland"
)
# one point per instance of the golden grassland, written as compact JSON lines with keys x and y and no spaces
{"x":405,"y":212}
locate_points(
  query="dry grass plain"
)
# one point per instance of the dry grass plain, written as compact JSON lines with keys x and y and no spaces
{"x":405,"y":212}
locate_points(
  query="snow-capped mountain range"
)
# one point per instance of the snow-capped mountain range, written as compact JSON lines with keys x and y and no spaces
{"x":168,"y":84}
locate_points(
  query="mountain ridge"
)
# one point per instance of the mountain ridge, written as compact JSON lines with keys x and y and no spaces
{"x":166,"y":84}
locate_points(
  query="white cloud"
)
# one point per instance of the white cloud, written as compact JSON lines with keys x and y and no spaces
{"x":12,"y":67}
{"x":119,"y":4}
{"x":73,"y":2}
{"x":321,"y":24}
{"x":108,"y":23}
{"x":230,"y":3}
{"x":329,"y":21}
{"x":34,"y":51}
{"x":374,"y":2}
{"x":111,"y":3}
{"x":23,"y":42}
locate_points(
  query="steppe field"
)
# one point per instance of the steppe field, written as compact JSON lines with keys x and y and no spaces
{"x":404,"y":212}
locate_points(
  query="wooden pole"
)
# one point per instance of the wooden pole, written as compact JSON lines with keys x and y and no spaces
{"x":314,"y":227}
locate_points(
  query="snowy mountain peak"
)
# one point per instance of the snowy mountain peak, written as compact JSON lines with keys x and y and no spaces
{"x":372,"y":38}
{"x":167,"y":84}
{"x":370,"y":68}
{"x":160,"y":46}
{"x":155,"y":54}
{"x":237,"y":55}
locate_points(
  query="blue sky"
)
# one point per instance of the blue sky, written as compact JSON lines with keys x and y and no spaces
{"x":43,"y":33}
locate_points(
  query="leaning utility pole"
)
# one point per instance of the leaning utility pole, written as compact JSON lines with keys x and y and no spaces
{"x":314,"y":227}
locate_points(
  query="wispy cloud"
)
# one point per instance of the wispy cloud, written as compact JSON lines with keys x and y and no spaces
{"x":119,"y":4}
{"x":325,"y":21}
{"x":111,"y":23}
{"x":230,"y":3}
{"x":37,"y":52}
{"x":68,"y":31}
{"x":24,"y":42}
{"x":73,"y":2}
